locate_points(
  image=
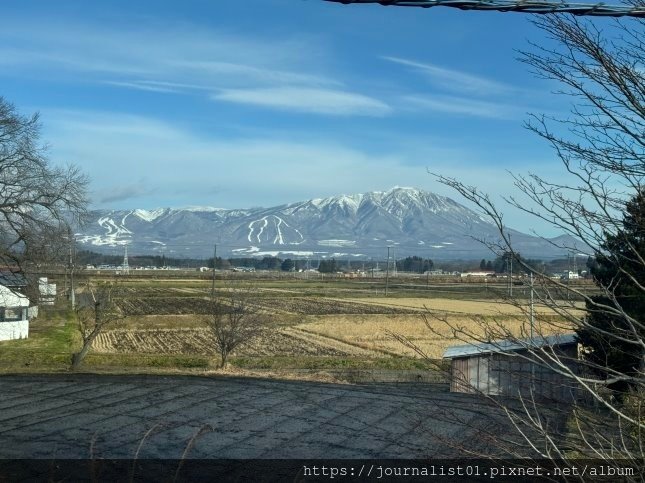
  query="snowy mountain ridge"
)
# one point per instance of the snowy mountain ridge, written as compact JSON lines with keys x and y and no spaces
{"x":360,"y":225}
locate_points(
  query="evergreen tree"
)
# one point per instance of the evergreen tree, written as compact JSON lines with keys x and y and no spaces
{"x":270,"y":263}
{"x":287,"y":265}
{"x":328,"y":266}
{"x":482,"y":264}
{"x":612,"y":341}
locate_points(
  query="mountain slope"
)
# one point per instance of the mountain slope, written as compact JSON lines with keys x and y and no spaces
{"x":410,"y":220}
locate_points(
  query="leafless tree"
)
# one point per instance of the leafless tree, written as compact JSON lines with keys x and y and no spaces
{"x":38,"y":201}
{"x":234,"y":320}
{"x":97,"y":309}
{"x":601,"y":147}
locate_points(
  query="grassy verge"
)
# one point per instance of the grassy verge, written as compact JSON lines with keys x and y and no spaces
{"x":93,"y":361}
{"x":52,"y":338}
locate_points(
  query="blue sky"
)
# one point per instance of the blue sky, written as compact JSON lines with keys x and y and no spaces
{"x":233,"y":103}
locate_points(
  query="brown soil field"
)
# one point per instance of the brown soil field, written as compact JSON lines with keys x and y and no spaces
{"x":325,"y":306}
{"x":151,"y":291}
{"x":172,"y":321}
{"x":171,"y":305}
{"x":281,"y":342}
{"x":164,"y":305}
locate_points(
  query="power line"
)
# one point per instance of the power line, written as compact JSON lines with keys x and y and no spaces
{"x":521,"y":6}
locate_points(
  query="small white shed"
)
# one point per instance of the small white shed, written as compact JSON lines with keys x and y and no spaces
{"x":47,"y":291}
{"x":14,"y":323}
{"x":506,"y":368}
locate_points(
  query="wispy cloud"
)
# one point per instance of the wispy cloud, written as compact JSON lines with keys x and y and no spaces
{"x":143,"y":86}
{"x":184,"y":167}
{"x":460,"y":106}
{"x":181,"y":59}
{"x":124,"y":193}
{"x":455,"y":80}
{"x":252,"y":74}
{"x":285,"y":74}
{"x":318,"y":101}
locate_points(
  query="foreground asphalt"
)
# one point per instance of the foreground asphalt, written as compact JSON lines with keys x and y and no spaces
{"x":95,"y":416}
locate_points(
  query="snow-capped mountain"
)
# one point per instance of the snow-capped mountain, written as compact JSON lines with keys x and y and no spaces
{"x":412,"y":221}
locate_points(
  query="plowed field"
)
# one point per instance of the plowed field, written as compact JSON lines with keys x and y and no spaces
{"x":283,"y":342}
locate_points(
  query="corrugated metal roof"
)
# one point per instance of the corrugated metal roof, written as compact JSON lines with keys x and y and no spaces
{"x":508,"y":345}
{"x":12,"y":279}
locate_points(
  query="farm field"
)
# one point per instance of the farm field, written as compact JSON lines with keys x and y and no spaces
{"x":447,"y":305}
{"x":173,"y":320}
{"x":310,"y":325}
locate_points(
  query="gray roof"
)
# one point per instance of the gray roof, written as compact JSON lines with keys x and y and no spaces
{"x":508,"y":345}
{"x":12,"y":279}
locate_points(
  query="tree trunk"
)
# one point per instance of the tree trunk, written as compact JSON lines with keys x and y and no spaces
{"x":77,"y":358}
{"x":224,"y":359}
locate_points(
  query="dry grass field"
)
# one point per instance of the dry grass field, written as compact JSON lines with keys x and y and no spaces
{"x":446,"y":305}
{"x":311,"y":327}
{"x":164,"y":322}
{"x":431,"y":335}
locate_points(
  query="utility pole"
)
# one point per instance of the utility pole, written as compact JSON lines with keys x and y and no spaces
{"x":532,"y":322}
{"x":510,"y":287}
{"x":531,"y":306}
{"x":510,"y":280}
{"x":71,"y":268}
{"x":214,"y":260}
{"x":387,"y":271}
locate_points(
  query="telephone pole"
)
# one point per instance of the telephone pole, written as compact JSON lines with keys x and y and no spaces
{"x":72,"y":247}
{"x":510,"y":286}
{"x":387,"y":271}
{"x":214,"y":260}
{"x":510,"y":280}
{"x":531,"y":307}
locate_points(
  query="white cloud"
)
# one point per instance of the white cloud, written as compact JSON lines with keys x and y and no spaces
{"x":281,"y":73}
{"x":455,"y":80}
{"x":252,"y":74}
{"x":182,"y":56}
{"x":319,"y":101}
{"x":461,"y":106}
{"x":174,"y":167}
{"x":143,"y":86}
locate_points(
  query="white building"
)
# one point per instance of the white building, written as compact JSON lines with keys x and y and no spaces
{"x":477,"y":274}
{"x":47,"y":291}
{"x":14,"y":323}
{"x":569,"y":275}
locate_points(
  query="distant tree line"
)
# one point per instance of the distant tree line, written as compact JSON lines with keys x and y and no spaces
{"x":87,"y":257}
{"x":413,"y":264}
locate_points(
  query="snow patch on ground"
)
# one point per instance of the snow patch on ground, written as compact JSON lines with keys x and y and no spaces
{"x":209,"y":209}
{"x":336,"y":243}
{"x":272,"y":225}
{"x":148,"y":215}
